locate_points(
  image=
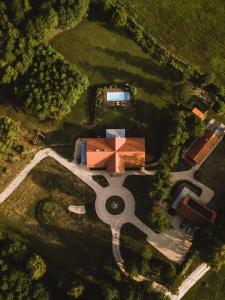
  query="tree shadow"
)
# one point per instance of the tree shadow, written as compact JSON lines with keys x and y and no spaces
{"x":146,"y":65}
{"x":149,"y":85}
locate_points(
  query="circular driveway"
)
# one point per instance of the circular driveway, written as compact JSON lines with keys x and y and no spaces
{"x":108,"y":218}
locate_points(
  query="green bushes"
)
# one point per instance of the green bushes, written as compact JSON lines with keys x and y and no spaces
{"x":36,"y":267}
{"x":76,"y":290}
{"x":219,"y":106}
{"x":158,"y":216}
{"x":16,"y":51}
{"x":119,"y":17}
{"x":44,"y":25}
{"x":210,"y":242}
{"x":51,"y":86}
{"x":70,"y":12}
{"x":8,"y":135}
{"x":15,"y":280}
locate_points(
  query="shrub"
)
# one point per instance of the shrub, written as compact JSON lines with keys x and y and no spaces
{"x":119,"y":17}
{"x":8,"y":135}
{"x":158,"y":218}
{"x":76,"y":290}
{"x":133,"y":90}
{"x":109,"y":292}
{"x":219,"y":106}
{"x":36,"y":267}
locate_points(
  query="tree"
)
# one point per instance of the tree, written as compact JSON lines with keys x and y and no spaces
{"x":195,"y":126}
{"x":133,"y":90}
{"x":70,"y":12}
{"x":109,"y":292}
{"x":44,"y":25}
{"x":8,"y":135}
{"x":76,"y":290}
{"x":18,"y":10}
{"x":16,"y":50}
{"x":218,"y":257}
{"x":158,"y":218}
{"x":219,"y":106}
{"x":39,"y":292}
{"x":146,"y":252}
{"x":119,"y":17}
{"x":183,"y":92}
{"x":36,"y":267}
{"x":117,"y":275}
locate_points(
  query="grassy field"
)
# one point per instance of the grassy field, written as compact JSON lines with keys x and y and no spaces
{"x":38,"y":211}
{"x":107,"y":56}
{"x":191,"y":29}
{"x":210,"y":287}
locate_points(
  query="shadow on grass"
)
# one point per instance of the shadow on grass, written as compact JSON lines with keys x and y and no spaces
{"x":109,"y":73}
{"x":146,"y":65}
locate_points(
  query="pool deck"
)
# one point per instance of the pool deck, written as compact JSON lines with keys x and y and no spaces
{"x":115,"y":89}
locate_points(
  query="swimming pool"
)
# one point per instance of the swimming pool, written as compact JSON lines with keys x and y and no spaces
{"x":118,"y":96}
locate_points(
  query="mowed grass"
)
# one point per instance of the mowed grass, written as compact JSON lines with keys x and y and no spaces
{"x":77,"y":244}
{"x":191,"y":29}
{"x":109,"y":57}
{"x":210,"y":287}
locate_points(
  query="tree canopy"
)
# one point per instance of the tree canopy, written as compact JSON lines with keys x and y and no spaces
{"x":51,"y":86}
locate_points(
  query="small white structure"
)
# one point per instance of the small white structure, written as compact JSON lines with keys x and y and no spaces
{"x":112,"y":133}
{"x":77,"y":209}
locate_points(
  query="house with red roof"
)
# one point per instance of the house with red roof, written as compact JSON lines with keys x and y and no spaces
{"x":115,"y":153}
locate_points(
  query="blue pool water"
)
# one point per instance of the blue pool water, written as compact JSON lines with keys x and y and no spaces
{"x":118,"y":96}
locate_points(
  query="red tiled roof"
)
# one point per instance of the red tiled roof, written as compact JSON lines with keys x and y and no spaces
{"x":115,"y":154}
{"x":198,"y":113}
{"x":201,"y":147}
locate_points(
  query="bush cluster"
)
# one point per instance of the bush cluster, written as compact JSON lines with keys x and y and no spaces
{"x":8,"y":135}
{"x":21,"y":271}
{"x":158,"y":216}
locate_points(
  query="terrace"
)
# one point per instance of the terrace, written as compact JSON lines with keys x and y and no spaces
{"x":116,"y":96}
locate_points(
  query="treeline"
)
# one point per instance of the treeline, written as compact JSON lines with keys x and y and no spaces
{"x":184,"y":126}
{"x":51,"y":86}
{"x":21,"y":270}
{"x":118,"y":16}
{"x":16,"y":50}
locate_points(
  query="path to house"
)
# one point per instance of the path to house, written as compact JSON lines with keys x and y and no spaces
{"x":162,"y":242}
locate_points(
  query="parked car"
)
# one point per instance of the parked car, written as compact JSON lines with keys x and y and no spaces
{"x":183,"y":224}
{"x":190,"y":230}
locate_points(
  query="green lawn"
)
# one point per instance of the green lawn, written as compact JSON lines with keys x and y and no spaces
{"x":191,"y":29}
{"x":210,"y":287}
{"x":107,"y":56}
